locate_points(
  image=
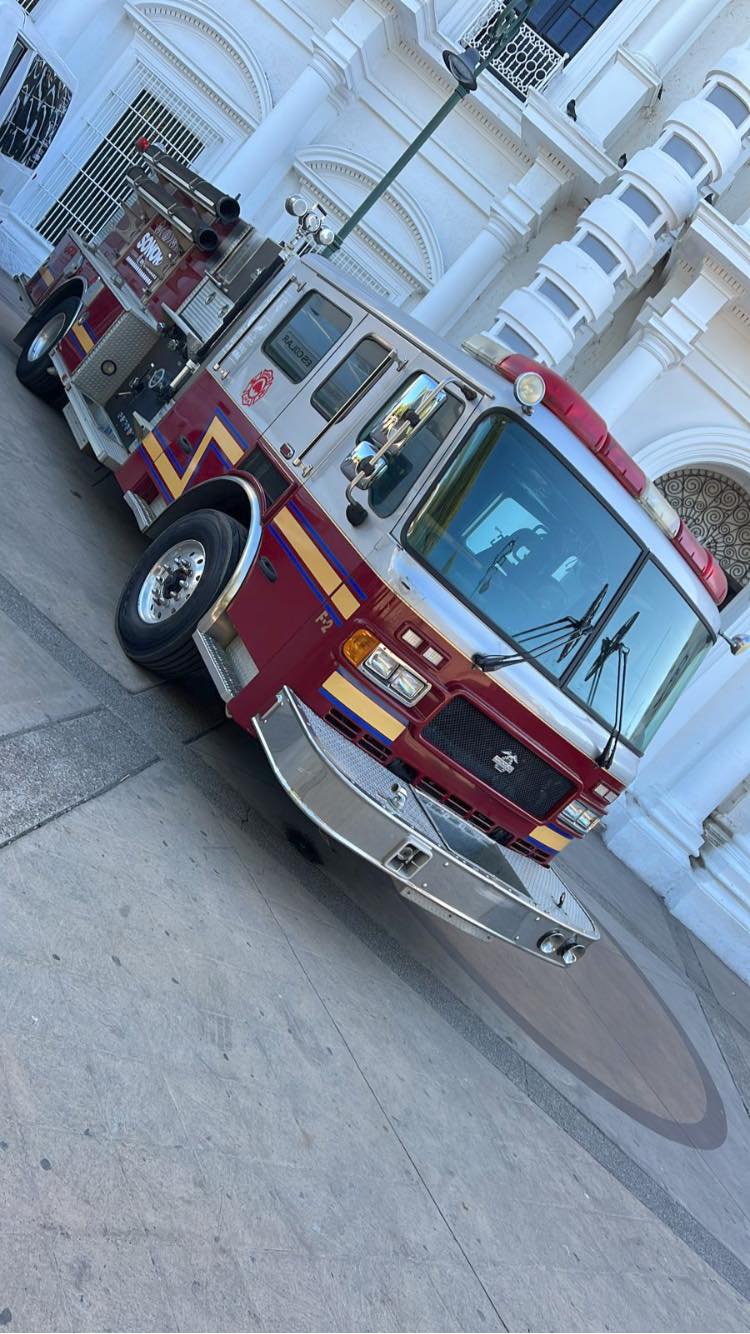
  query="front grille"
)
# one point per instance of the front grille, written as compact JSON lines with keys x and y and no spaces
{"x":358,"y":735}
{"x":468,"y":736}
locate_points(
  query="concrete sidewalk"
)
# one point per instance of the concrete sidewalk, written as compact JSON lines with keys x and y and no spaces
{"x":244,"y":1086}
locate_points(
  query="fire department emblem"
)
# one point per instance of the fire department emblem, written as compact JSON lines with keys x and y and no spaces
{"x":258,"y":386}
{"x":505,"y":762}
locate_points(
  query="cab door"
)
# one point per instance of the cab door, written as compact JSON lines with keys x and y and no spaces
{"x":266,"y":370}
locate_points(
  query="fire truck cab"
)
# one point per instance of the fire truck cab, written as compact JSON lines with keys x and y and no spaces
{"x":450,"y":606}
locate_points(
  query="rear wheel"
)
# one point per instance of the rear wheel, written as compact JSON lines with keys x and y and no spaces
{"x":176,"y":581}
{"x":34,"y":366}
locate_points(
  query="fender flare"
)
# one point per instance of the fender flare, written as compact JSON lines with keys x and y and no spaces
{"x":237,"y":497}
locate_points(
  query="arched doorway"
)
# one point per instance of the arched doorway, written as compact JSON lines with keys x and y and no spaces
{"x":717,"y":509}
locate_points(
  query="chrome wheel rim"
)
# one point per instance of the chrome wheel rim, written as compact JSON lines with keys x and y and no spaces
{"x":171,"y":581}
{"x":49,"y":334}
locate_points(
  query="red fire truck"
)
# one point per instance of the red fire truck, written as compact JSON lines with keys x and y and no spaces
{"x":452,"y":608}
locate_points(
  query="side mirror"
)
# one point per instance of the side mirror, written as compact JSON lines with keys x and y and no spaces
{"x":363,"y":465}
{"x":739,"y":643}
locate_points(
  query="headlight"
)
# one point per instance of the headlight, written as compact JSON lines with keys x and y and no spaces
{"x":376,"y":661}
{"x":382,"y":663}
{"x":408,"y":684}
{"x":529,"y":389}
{"x":577,"y":815}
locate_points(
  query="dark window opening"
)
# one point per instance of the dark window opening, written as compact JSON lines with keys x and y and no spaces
{"x":568,"y":24}
{"x":349,"y":376}
{"x":306,"y":335}
{"x":35,"y":116}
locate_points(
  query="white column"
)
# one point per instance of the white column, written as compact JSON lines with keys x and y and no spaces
{"x":474,"y":268}
{"x":716,"y":903}
{"x":339,"y":63}
{"x":638,"y":68}
{"x":663,"y":343}
{"x":282,"y":132}
{"x":513,"y":220}
{"x":633,"y":373}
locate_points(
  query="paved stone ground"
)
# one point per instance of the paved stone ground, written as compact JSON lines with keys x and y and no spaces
{"x":244,"y":1086}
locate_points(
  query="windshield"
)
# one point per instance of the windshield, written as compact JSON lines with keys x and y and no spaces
{"x":666,"y":643}
{"x":524,"y":542}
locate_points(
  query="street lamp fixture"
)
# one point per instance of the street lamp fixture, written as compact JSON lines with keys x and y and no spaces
{"x":465,"y":66}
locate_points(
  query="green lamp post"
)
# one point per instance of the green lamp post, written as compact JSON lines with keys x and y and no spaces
{"x":465,"y":66}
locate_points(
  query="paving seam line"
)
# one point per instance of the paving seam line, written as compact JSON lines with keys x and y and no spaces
{"x":129,"y":707}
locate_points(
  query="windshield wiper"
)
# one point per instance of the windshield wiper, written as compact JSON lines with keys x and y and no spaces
{"x":615,"y":644}
{"x":563,"y":634}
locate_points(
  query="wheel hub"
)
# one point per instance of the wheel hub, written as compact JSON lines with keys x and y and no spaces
{"x":171,"y":581}
{"x":47,"y":337}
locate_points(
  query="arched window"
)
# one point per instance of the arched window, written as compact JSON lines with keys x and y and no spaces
{"x":717,"y":509}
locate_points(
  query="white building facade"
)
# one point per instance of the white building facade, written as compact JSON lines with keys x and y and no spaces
{"x":589,"y":204}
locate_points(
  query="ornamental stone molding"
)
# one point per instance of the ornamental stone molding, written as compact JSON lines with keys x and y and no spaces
{"x":624,"y":232}
{"x":319,"y":165}
{"x":471,"y":106}
{"x":721,"y":448}
{"x":147,"y":17}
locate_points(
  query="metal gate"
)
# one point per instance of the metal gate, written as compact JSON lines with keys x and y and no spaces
{"x":85,"y":188}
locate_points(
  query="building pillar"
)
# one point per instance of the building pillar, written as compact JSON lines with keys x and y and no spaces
{"x":336,"y":67}
{"x":281,"y":133}
{"x":513,"y":220}
{"x":663,"y":343}
{"x":637,"y":71}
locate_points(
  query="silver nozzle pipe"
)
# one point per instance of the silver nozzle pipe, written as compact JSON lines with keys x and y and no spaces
{"x":199,"y":190}
{"x":184,"y":220}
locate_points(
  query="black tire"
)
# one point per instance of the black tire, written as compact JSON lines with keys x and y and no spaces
{"x":167,"y":647}
{"x":38,"y":376}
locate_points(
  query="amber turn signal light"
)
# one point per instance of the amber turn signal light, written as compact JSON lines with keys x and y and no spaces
{"x":359,"y":646}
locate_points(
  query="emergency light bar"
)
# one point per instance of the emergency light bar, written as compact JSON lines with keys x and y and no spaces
{"x":586,"y":424}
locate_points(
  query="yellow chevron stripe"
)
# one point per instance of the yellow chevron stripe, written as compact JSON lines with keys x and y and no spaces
{"x":364,"y":707}
{"x":46,"y":276}
{"x":345,"y":602}
{"x":310,"y":555}
{"x":550,"y":837}
{"x":175,"y":482}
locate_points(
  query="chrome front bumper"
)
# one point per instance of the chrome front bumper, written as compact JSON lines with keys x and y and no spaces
{"x":439,"y":861}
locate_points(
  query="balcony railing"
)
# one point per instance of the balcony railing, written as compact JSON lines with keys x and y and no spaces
{"x":527,"y":62}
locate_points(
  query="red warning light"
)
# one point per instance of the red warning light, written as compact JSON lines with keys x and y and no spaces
{"x":142,"y":144}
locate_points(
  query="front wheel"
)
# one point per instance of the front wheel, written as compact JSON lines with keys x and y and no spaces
{"x":34,"y":366}
{"x":176,"y":581}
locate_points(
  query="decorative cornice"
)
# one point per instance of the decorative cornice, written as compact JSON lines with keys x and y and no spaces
{"x":472,"y":107}
{"x":319,"y":161}
{"x":146,"y":15}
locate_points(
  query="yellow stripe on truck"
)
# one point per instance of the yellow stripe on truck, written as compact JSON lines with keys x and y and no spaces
{"x":365,"y":708}
{"x":550,"y":837}
{"x":313,"y":559}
